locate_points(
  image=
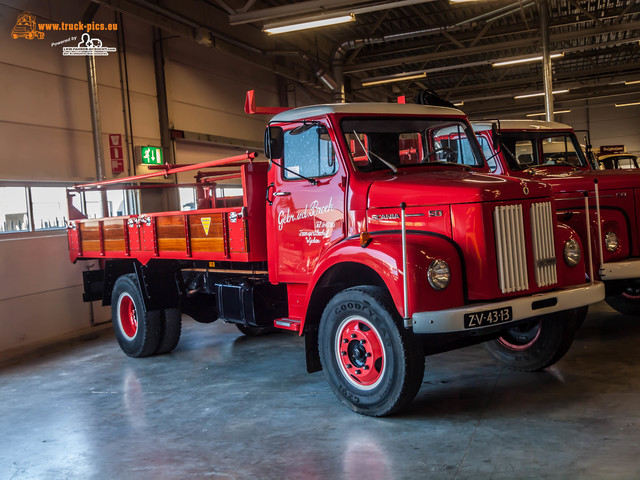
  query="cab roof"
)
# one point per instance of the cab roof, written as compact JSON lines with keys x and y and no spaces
{"x":302,"y":113}
{"x":532,"y":125}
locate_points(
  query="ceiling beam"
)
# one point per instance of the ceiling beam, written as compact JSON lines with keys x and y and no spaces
{"x":490,"y":48}
{"x":290,"y":10}
{"x":317,"y":7}
{"x":560,"y":80}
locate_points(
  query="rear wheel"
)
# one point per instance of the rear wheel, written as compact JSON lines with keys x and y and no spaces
{"x":138,"y":331}
{"x":535,"y":344}
{"x":371,"y":362}
{"x":172,"y":328}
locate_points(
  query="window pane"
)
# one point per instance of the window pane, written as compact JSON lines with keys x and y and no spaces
{"x":524,"y":152}
{"x":229,"y":192}
{"x":559,"y":151}
{"x":377,"y":142}
{"x":49,"y":207}
{"x":116,"y":203}
{"x":187,"y":197}
{"x":13,"y":209}
{"x":309,"y":153}
{"x":94,"y":204}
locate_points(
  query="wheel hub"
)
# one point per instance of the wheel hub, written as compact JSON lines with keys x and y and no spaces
{"x":632,"y":290}
{"x":360,"y":352}
{"x":521,"y":336}
{"x":128,"y":317}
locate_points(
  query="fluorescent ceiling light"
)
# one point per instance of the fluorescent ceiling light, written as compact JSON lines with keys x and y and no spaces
{"x":631,"y":83}
{"x":461,"y":102}
{"x":400,"y":77}
{"x":541,"y":94}
{"x":542,"y":114}
{"x":525,"y":60}
{"x":274,"y":29}
{"x":627,"y":104}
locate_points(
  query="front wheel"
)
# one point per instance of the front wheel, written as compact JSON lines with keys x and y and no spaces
{"x":372,"y":363}
{"x":627,"y":302}
{"x":536,"y":344}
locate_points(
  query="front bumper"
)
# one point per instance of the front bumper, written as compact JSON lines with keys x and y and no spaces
{"x":452,"y":320}
{"x":620,"y":270}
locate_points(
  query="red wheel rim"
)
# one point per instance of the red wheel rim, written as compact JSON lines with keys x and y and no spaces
{"x":128,"y":319}
{"x":630,"y":297}
{"x":360,"y":353}
{"x":518,"y":338}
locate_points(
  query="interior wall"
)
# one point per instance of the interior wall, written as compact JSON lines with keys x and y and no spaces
{"x":608,"y":124}
{"x":46,"y":133}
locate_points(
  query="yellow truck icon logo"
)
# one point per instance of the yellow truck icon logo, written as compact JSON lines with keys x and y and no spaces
{"x":25,"y":27}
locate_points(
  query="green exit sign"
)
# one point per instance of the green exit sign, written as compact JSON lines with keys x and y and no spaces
{"x":151,"y":155}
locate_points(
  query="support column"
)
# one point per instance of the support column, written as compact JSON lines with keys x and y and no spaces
{"x":98,"y":150}
{"x":161,"y":92}
{"x":338,"y":75}
{"x":94,"y":104}
{"x":546,"y":59}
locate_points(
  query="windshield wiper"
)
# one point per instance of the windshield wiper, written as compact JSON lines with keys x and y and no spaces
{"x":531,"y":169}
{"x":366,"y":152}
{"x":443,"y":162}
{"x":312,"y":181}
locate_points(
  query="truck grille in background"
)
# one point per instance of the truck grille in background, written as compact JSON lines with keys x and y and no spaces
{"x":544,"y":252}
{"x":510,"y":248}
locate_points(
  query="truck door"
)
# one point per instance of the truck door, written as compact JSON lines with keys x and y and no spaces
{"x":305,"y":216}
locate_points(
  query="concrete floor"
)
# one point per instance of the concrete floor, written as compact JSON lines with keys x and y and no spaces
{"x":227,"y":406}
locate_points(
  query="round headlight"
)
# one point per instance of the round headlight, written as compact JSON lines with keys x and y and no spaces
{"x":611,"y":241}
{"x":439,"y":274}
{"x":572,"y":252}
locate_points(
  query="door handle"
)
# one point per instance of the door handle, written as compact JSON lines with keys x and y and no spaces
{"x":281,"y":194}
{"x":271,"y":185}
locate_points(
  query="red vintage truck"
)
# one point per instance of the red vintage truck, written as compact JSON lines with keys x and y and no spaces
{"x":363,"y":233}
{"x":550,"y":152}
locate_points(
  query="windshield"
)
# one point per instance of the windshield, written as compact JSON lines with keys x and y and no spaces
{"x":535,"y":149}
{"x":388,"y":143}
{"x":618,"y":161}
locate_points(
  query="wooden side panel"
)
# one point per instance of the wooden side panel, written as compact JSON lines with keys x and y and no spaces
{"x":114,"y":233}
{"x":90,"y":235}
{"x":207,"y":233}
{"x":171,"y":235}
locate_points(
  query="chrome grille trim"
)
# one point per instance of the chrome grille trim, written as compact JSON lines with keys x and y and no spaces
{"x":510,"y":248}
{"x":542,"y":234}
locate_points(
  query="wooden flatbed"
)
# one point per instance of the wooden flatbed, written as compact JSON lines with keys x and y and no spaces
{"x":212,"y":232}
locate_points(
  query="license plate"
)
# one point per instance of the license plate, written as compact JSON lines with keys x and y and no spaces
{"x":488,"y":317}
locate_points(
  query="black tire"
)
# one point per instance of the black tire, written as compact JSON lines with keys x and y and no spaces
{"x":138,"y":331}
{"x":625,"y":303}
{"x":581,"y":315}
{"x":254,"y":331}
{"x":535,"y":344}
{"x":172,"y":328}
{"x":380,"y":369}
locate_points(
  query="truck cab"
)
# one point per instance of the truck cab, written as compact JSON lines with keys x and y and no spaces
{"x":376,"y":231}
{"x":551,"y":152}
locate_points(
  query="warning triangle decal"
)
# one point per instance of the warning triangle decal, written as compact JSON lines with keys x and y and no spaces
{"x":206,"y":223}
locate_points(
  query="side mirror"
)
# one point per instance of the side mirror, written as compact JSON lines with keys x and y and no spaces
{"x":273,"y":142}
{"x":495,"y":136}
